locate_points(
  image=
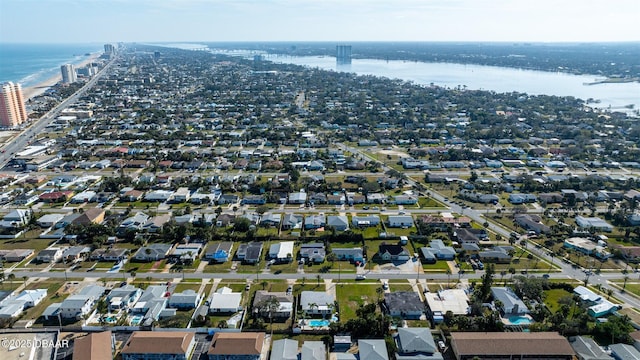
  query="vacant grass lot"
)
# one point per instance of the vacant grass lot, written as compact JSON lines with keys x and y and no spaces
{"x":351,"y":296}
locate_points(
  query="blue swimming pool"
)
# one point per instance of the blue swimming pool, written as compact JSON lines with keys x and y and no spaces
{"x":136,"y":320}
{"x":519,"y":320}
{"x":318,"y":323}
{"x":110,"y":319}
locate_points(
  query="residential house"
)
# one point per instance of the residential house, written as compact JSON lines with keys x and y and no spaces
{"x":16,"y":218}
{"x":338,"y":222}
{"x":522,"y":198}
{"x":313,"y":252}
{"x":186,"y":300}
{"x":593,"y":223}
{"x":317,"y":303}
{"x":284,"y":349}
{"x":470,"y":235}
{"x":270,"y":219}
{"x":13,"y":305}
{"x":56,"y":196}
{"x":298,"y":197}
{"x":152,"y":252}
{"x":404,"y":304}
{"x":336,"y":199}
{"x":133,"y":223}
{"x":254,"y":200}
{"x":49,"y":255}
{"x":181,"y":195}
{"x":228,"y":199}
{"x":313,"y":350}
{"x":236,"y":346}
{"x":393,"y":252}
{"x":49,"y":220}
{"x":314,"y":221}
{"x":250,"y":253}
{"x":597,"y":305}
{"x":416,"y":344}
{"x":376,"y":198}
{"x":365,"y":221}
{"x":532,"y":223}
{"x":123,"y":298}
{"x":219,"y":252}
{"x":400,"y":221}
{"x":75,"y":307}
{"x":158,"y":196}
{"x":281,"y":314}
{"x":25,"y":199}
{"x":405,"y":200}
{"x":354,"y":255}
{"x":151,"y":305}
{"x":155,"y":224}
{"x":76,"y":253}
{"x":373,"y":349}
{"x":437,"y":250}
{"x":110,"y":254}
{"x":492,"y":345}
{"x":159,"y":345}
{"x":497,"y":254}
{"x":15,"y":255}
{"x":94,"y":346}
{"x":185,"y":253}
{"x":624,"y":352}
{"x":132,"y":195}
{"x":224,"y":220}
{"x":587,"y":349}
{"x":292,"y":221}
{"x":90,"y":216}
{"x":84,"y":197}
{"x":282,"y":251}
{"x":510,"y":303}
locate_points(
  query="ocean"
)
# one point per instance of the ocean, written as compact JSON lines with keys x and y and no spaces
{"x":30,"y":64}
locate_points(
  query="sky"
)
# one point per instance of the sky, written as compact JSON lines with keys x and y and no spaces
{"x":82,"y":21}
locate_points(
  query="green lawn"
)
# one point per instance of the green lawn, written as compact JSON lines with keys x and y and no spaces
{"x":30,"y":241}
{"x":439,"y":266}
{"x":182,"y":286}
{"x":552,"y":297}
{"x":351,"y":296}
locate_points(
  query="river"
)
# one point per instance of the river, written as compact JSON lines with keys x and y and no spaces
{"x":613,"y":96}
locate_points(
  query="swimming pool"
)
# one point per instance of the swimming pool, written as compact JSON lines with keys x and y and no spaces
{"x":519,"y":320}
{"x":318,"y":323}
{"x":110,"y":319}
{"x":136,"y":320}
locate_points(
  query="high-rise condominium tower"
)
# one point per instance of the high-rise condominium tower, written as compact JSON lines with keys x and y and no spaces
{"x":12,"y":110}
{"x":68,"y":73}
{"x":343,"y":54}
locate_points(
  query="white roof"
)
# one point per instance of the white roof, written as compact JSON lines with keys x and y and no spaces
{"x":454,"y":300}
{"x":281,"y":250}
{"x":225,"y":301}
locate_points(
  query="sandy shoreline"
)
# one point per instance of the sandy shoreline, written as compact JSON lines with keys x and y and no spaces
{"x":40,"y":88}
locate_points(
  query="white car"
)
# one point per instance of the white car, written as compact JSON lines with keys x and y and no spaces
{"x":360,"y":277}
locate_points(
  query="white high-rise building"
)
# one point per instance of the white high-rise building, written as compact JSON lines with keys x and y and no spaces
{"x":68,"y":74}
{"x":12,"y":110}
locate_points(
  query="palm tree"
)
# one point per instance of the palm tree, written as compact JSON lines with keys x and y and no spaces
{"x":318,"y":278}
{"x":24,"y":280}
{"x":11,"y":277}
{"x":448,"y":278}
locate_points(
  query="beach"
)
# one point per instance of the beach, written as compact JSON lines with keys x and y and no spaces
{"x":40,"y":88}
